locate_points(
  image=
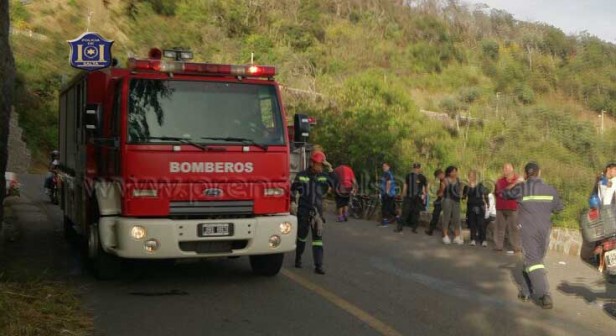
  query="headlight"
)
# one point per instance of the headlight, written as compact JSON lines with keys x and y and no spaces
{"x":137,"y":232}
{"x":151,"y":245}
{"x":285,"y":228}
{"x":274,"y":241}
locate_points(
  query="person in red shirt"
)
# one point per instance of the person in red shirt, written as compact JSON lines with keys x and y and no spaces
{"x":507,"y":212}
{"x":345,"y":186}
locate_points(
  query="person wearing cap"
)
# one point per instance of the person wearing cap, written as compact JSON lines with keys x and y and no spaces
{"x":327,"y":167}
{"x":537,"y":202}
{"x":414,"y":192}
{"x":312,"y":185}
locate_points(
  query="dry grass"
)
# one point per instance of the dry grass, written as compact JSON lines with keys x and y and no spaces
{"x":34,"y":305}
{"x":41,"y":307}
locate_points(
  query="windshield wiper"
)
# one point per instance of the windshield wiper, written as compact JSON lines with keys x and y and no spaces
{"x":182,"y":140}
{"x":242,"y":140}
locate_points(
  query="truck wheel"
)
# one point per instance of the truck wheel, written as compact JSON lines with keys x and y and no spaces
{"x":104,"y":265}
{"x":266,"y":264}
{"x":69,"y":231}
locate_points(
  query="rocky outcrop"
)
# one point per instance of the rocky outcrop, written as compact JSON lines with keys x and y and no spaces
{"x":19,"y":154}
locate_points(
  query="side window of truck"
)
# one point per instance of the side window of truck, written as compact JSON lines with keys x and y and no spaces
{"x":117,"y":103}
{"x":267,"y":113}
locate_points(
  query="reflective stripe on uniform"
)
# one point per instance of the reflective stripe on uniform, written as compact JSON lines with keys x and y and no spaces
{"x":304,"y":178}
{"x":538,"y":198}
{"x":317,"y":243}
{"x":322,"y":179}
{"x":534,"y":267}
{"x":302,"y":240}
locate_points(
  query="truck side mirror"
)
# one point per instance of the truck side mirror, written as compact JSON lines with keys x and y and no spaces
{"x":92,"y":118}
{"x":301,"y":125}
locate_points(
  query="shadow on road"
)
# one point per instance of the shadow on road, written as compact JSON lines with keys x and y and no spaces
{"x":605,"y":299}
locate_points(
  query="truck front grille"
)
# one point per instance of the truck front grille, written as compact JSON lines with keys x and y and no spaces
{"x":211,"y":209}
{"x":218,"y":246}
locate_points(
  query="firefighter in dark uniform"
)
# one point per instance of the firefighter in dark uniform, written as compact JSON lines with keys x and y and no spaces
{"x":537,"y":202}
{"x":311,"y":184}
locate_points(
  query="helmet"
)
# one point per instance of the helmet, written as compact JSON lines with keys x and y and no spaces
{"x":318,"y":157}
{"x":54,"y":154}
{"x":594,"y":201}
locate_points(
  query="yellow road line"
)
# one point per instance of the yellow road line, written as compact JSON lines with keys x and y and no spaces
{"x":345,"y":305}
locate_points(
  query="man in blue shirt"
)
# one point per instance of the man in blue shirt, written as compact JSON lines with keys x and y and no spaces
{"x":388,"y":194}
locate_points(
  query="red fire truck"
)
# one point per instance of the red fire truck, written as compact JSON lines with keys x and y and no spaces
{"x":169,"y":159}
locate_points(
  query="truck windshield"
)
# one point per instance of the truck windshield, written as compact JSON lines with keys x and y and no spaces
{"x":203,"y":112}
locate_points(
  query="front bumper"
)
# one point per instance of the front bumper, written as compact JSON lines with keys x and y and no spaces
{"x":180,"y":239}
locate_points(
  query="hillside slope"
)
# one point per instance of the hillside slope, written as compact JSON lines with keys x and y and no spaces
{"x":366,"y":69}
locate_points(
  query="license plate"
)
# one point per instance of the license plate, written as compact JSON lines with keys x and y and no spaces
{"x":610,"y":258}
{"x":215,"y":230}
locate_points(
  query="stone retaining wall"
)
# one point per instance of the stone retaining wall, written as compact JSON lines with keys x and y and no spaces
{"x":565,"y":241}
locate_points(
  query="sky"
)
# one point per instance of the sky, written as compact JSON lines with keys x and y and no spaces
{"x":597,"y":17}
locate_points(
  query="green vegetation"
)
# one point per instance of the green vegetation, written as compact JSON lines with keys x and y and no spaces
{"x":366,"y":69}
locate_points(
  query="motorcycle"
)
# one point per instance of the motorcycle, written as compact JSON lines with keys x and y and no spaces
{"x":599,"y":228}
{"x":53,"y":187}
{"x":52,"y":182}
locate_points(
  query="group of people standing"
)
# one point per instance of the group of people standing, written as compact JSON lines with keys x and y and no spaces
{"x":527,"y":232}
{"x":482,"y":208}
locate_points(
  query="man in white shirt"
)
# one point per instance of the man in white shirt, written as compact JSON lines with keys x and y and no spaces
{"x":606,"y":186}
{"x":604,"y":190}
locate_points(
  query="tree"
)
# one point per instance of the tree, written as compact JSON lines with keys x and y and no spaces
{"x":7,"y":79}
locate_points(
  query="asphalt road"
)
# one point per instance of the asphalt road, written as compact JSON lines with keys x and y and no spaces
{"x":377,"y":282}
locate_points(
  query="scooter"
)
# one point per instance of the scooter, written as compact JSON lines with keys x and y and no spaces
{"x":606,"y":253}
{"x":599,"y":228}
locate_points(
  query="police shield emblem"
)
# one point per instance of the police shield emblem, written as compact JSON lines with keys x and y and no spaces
{"x":90,"y":52}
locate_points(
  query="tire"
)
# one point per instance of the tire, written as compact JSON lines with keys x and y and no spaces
{"x":53,"y":196}
{"x":104,"y":266}
{"x":69,"y":231}
{"x":370,"y":209}
{"x":356,"y":213}
{"x":355,"y":209}
{"x":266,"y":264}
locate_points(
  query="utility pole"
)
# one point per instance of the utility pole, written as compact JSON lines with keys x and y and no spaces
{"x":497,"y":100}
